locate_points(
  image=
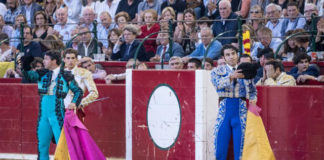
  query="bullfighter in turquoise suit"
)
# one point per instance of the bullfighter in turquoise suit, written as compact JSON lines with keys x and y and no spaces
{"x":53,"y":85}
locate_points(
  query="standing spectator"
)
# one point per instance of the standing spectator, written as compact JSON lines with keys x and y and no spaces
{"x":31,"y":48}
{"x":64,"y":26}
{"x":310,"y":9}
{"x":20,"y":19}
{"x":97,"y":73}
{"x":87,"y":45}
{"x":224,"y":25}
{"x":295,"y":20}
{"x":6,"y":52}
{"x":113,"y":38}
{"x":150,"y":26}
{"x":129,"y":6}
{"x":272,"y":75}
{"x":177,"y":5}
{"x":186,"y":32}
{"x":5,"y":28}
{"x":104,"y":27}
{"x":149,"y":4}
{"x":163,"y":49}
{"x":109,"y":6}
{"x":265,"y":37}
{"x":122,"y":19}
{"x":273,"y":13}
{"x":303,"y":70}
{"x":194,"y":64}
{"x":74,"y":9}
{"x":256,"y":17}
{"x":29,"y":9}
{"x":175,"y":62}
{"x":125,"y":49}
{"x":41,"y":29}
{"x":12,"y":12}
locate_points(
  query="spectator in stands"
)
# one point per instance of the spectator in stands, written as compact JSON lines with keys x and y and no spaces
{"x":109,"y":6}
{"x":272,"y":75}
{"x":253,"y":41}
{"x":209,"y":64}
{"x":302,"y":41}
{"x":245,"y":7}
{"x":150,"y":26}
{"x":29,"y":9}
{"x":200,"y":51}
{"x":194,"y":64}
{"x":5,"y":28}
{"x":283,"y":5}
{"x":149,"y":4}
{"x":37,"y":63}
{"x":96,"y":70}
{"x":202,"y":23}
{"x":51,"y":42}
{"x":122,"y":76}
{"x":88,"y":4}
{"x":49,"y":8}
{"x":11,"y":73}
{"x":295,"y":20}
{"x":113,"y":38}
{"x":88,"y":17}
{"x":168,"y":14}
{"x":129,"y":6}
{"x":76,"y":40}
{"x":273,"y":13}
{"x":42,"y":29}
{"x":290,"y":48}
{"x":122,"y":19}
{"x":222,"y":26}
{"x":104,"y":27}
{"x":303,"y":70}
{"x":163,"y":49}
{"x":310,"y":9}
{"x":20,"y":19}
{"x":195,"y":5}
{"x":87,"y":45}
{"x":320,"y":78}
{"x":265,"y":55}
{"x":212,"y":11}
{"x":175,"y":62}
{"x":245,"y":58}
{"x":320,"y":35}
{"x":177,"y":5}
{"x":31,"y":48}
{"x":12,"y":12}
{"x":186,"y":32}
{"x":6,"y":51}
{"x":64,"y":26}
{"x":125,"y":49}
{"x":255,"y":14}
{"x":74,"y":8}
{"x":265,"y":37}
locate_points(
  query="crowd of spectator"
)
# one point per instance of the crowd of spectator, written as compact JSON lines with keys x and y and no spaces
{"x":123,"y":24}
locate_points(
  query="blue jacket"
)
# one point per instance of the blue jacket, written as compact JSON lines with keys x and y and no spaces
{"x":121,"y":54}
{"x":213,"y":52}
{"x":176,"y":49}
{"x":218,"y":28}
{"x":311,"y":70}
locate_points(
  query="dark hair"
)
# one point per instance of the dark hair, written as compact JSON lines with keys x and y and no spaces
{"x":228,"y":46}
{"x":37,"y":60}
{"x":249,"y":70}
{"x":196,"y":61}
{"x":292,"y":4}
{"x":246,"y":56}
{"x":286,"y":45}
{"x":300,"y":57}
{"x":30,"y":29}
{"x":303,"y":37}
{"x":210,"y":61}
{"x":275,"y":64}
{"x":4,"y":36}
{"x":70,"y":51}
{"x":203,"y":20}
{"x":54,"y":55}
{"x":264,"y":51}
{"x":45,"y":19}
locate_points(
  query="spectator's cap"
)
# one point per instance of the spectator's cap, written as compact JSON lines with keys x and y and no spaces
{"x":249,"y":70}
{"x":264,"y":51}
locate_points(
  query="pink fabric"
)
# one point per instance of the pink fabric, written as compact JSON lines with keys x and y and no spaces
{"x":80,"y":144}
{"x":254,"y":109}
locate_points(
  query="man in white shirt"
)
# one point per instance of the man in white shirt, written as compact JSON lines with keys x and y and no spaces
{"x":273,"y":13}
{"x":74,"y":9}
{"x":109,"y":6}
{"x":104,"y":27}
{"x":64,"y":26}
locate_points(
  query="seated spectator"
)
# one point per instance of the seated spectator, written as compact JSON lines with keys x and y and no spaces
{"x":20,"y":19}
{"x":88,"y":16}
{"x":11,"y":73}
{"x":283,"y":5}
{"x":290,"y":48}
{"x":302,"y":41}
{"x":265,"y":55}
{"x":214,"y":50}
{"x":309,"y":10}
{"x":185,"y":33}
{"x":149,"y":4}
{"x":225,"y":11}
{"x":12,"y":12}
{"x":255,"y":14}
{"x":109,"y":6}
{"x":129,"y":6}
{"x":64,"y":26}
{"x":29,"y":9}
{"x":86,"y":47}
{"x":202,"y":23}
{"x":76,"y":40}
{"x":320,"y":35}
{"x":303,"y":70}
{"x":168,"y":14}
{"x":121,"y":20}
{"x":6,"y":51}
{"x":195,"y":5}
{"x":123,"y":51}
{"x":150,"y":26}
{"x":42,"y":29}
{"x":274,"y":76}
{"x":49,"y":8}
{"x":104,"y":27}
{"x":295,"y":20}
{"x":113,"y":38}
{"x":209,"y":64}
{"x":51,"y":42}
{"x":5,"y":28}
{"x":37,"y":63}
{"x":97,"y":73}
{"x":194,"y":64}
{"x":74,"y":9}
{"x":266,"y":40}
{"x":30,"y":47}
{"x":245,"y":58}
{"x":177,"y":5}
{"x":273,"y":13}
{"x":175,"y":62}
{"x":163,"y":49}
{"x":122,"y":76}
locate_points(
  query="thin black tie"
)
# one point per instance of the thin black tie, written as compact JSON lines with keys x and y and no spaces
{"x":234,"y":81}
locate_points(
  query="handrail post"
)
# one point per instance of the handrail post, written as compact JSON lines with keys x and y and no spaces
{"x":240,"y":41}
{"x":94,"y":31}
{"x":21,"y":37}
{"x":313,"y":32}
{"x":170,"y":50}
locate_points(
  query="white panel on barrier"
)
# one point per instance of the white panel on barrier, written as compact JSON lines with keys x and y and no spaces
{"x":128,"y":114}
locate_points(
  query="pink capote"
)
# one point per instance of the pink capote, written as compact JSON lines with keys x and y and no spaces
{"x":80,"y":144}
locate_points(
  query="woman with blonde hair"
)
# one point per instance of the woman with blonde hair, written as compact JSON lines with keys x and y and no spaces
{"x":256,"y":17}
{"x":121,"y":20}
